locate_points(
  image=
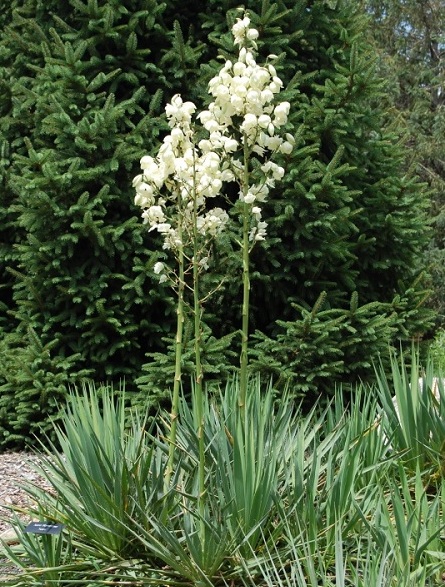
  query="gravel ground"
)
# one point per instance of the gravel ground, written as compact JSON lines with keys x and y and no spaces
{"x":16,"y":468}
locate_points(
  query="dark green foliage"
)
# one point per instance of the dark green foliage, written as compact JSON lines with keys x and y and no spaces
{"x":346,"y":218}
{"x":83,"y":89}
{"x":408,"y":37}
{"x":324,"y":347}
{"x":219,"y":358}
{"x":19,"y":52}
{"x":41,"y":377}
{"x":82,"y":279}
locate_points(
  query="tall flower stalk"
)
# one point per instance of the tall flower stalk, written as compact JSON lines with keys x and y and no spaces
{"x":173,"y":191}
{"x":178,"y":363}
{"x":175,"y":188}
{"x":198,"y":363}
{"x":244,"y":356}
{"x":245,"y":91}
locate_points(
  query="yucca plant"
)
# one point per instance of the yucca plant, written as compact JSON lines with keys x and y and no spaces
{"x":107,"y":470}
{"x":408,"y":524}
{"x":413,"y":416}
{"x":355,"y":521}
{"x":276,"y":480}
{"x":355,"y":562}
{"x":354,"y":414}
{"x":253,"y":449}
{"x":335,"y":476}
{"x":40,"y":558}
{"x":290,"y":499}
{"x":245,"y":456}
{"x":103,"y":465}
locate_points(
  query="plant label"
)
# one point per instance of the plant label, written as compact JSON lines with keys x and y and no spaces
{"x":44,"y":528}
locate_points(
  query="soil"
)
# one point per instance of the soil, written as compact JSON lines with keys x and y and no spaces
{"x":16,"y":469}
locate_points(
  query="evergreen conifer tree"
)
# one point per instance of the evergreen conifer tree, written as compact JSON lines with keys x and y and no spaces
{"x":347,"y":204}
{"x":20,"y":53}
{"x":348,"y":224}
{"x":347,"y":221}
{"x":408,"y":36}
{"x":84,"y":302}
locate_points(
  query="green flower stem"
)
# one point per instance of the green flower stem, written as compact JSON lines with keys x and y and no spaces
{"x":199,"y":401}
{"x":199,"y":397}
{"x":246,"y":284}
{"x":178,"y":364}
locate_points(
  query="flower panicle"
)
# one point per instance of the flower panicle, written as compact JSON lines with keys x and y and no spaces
{"x":175,"y":186}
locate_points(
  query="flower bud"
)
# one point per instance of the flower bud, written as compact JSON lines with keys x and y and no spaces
{"x":158,"y":267}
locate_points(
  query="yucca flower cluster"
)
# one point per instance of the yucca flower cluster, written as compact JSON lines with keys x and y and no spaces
{"x":175,"y":187}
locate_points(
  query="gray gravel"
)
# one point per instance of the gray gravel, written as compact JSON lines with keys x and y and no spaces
{"x":16,"y":468}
